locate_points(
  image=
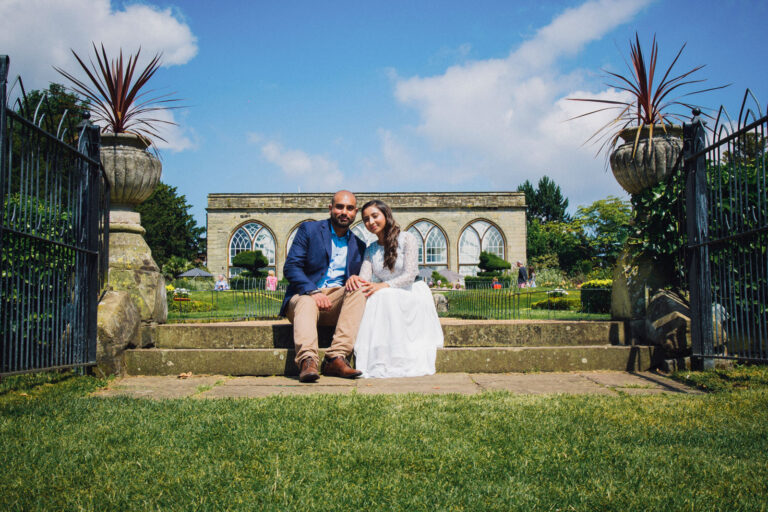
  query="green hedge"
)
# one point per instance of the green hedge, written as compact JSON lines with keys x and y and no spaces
{"x":479,"y":282}
{"x":558,"y":303}
{"x":190,"y":306}
{"x":596,"y":296}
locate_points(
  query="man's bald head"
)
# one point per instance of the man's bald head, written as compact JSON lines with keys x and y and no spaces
{"x":343,"y":209}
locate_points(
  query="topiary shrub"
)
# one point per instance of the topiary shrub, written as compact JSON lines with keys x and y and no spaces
{"x":492,"y":265}
{"x":252,"y":261}
{"x":558,"y":303}
{"x":596,"y":296}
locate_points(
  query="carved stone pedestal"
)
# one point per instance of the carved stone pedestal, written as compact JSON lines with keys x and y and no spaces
{"x":132,"y":269}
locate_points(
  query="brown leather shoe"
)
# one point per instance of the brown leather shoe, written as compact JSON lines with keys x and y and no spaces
{"x":308,"y":370}
{"x":339,"y":367}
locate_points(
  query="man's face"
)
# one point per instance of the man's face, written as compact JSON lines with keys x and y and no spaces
{"x":343,"y":209}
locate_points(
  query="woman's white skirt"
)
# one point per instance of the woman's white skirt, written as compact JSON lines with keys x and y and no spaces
{"x":399,"y":333}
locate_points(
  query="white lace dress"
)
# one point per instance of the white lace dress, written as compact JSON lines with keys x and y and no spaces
{"x":400,"y":332}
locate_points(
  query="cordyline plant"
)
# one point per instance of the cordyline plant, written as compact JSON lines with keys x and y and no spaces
{"x":116,"y":99}
{"x":648,"y":105}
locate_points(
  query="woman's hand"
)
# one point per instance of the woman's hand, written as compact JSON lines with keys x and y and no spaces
{"x":371,"y":288}
{"x":354,"y":283}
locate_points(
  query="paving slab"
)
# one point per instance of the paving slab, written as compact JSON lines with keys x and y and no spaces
{"x":257,"y":387}
{"x":218,"y":386}
{"x":440,"y":383}
{"x":651,"y":382}
{"x":540,"y":383}
{"x":159,"y":387}
{"x":264,"y":391}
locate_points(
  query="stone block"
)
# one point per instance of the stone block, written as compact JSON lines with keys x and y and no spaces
{"x":118,"y":328}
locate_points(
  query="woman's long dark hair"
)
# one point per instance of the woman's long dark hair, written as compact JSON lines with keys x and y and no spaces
{"x":391,"y":231}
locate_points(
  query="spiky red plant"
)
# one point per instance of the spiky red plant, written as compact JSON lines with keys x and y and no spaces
{"x":118,"y":100}
{"x":648,"y":105}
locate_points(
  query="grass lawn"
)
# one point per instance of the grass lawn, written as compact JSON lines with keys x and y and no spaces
{"x":63,"y":450}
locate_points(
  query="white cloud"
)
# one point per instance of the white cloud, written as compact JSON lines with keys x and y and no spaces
{"x":309,"y":172}
{"x":509,"y":115}
{"x":38,"y":34}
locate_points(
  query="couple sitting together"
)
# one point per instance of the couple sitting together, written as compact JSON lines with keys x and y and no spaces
{"x":368,"y":293}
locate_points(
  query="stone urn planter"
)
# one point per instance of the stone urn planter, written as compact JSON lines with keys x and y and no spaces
{"x":637,"y":168}
{"x":132,"y":171}
{"x":133,"y":174}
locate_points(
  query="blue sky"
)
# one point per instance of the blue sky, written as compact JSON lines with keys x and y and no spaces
{"x":388,"y":96}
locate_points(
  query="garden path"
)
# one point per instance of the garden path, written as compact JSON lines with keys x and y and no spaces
{"x":218,"y":386}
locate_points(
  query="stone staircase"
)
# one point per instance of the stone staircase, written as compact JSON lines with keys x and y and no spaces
{"x":476,"y":346}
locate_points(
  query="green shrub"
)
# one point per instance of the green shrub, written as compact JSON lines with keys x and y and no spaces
{"x":252,"y":261}
{"x":558,"y":303}
{"x":549,"y":277}
{"x":596,"y":296}
{"x":491,"y":263}
{"x":191,"y":306}
{"x":437,"y":276}
{"x":478,"y":282}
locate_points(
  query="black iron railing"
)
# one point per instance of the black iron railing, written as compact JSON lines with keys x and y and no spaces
{"x":53,"y":236}
{"x":727,"y":210}
{"x":254,"y":301}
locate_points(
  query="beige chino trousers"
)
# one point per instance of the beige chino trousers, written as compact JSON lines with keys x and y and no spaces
{"x":346,"y":312}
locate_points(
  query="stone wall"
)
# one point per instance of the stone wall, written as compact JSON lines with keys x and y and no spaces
{"x":281,"y":213}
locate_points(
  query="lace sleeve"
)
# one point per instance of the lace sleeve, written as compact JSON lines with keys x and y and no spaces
{"x":366,"y":270}
{"x":411,"y":264}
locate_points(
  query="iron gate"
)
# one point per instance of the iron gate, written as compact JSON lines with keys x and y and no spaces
{"x":727,"y":224}
{"x":53,"y":236}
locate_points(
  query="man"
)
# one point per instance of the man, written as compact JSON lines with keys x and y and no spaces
{"x":522,"y":275}
{"x":323,"y":256}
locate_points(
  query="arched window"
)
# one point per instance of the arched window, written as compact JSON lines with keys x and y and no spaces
{"x":363,"y":234}
{"x":478,"y":236}
{"x":252,"y":237}
{"x":433,"y":251}
{"x":292,"y":235}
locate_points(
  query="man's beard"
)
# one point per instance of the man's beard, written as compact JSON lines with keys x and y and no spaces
{"x":338,"y":223}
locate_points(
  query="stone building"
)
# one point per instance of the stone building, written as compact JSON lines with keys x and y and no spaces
{"x":453,"y":226}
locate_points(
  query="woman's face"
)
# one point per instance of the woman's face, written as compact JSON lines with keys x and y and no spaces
{"x":374,"y":220}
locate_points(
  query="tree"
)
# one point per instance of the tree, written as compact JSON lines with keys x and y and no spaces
{"x":50,"y":105}
{"x":546,"y":202}
{"x":557,"y":241}
{"x":252,"y":261}
{"x":171,"y":229}
{"x":605,"y":224}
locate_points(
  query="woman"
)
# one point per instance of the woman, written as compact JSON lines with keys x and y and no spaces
{"x":400,"y":332}
{"x":271,"y":283}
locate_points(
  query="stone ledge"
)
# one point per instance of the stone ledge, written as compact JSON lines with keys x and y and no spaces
{"x":450,"y":360}
{"x":397,"y":200}
{"x":458,"y":333}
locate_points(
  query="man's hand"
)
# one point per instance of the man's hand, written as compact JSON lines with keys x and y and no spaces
{"x":355,"y":282}
{"x":371,"y":288}
{"x":322,"y":301}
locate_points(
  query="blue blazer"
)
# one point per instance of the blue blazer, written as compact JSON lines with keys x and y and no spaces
{"x":310,"y":255}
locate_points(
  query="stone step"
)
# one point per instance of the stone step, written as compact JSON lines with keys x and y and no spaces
{"x":458,"y":333}
{"x":276,"y":361}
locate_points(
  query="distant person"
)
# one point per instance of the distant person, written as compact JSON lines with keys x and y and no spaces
{"x":495,"y":284}
{"x":271,"y":281}
{"x":221,"y":284}
{"x":532,"y":280}
{"x":522,"y":275}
